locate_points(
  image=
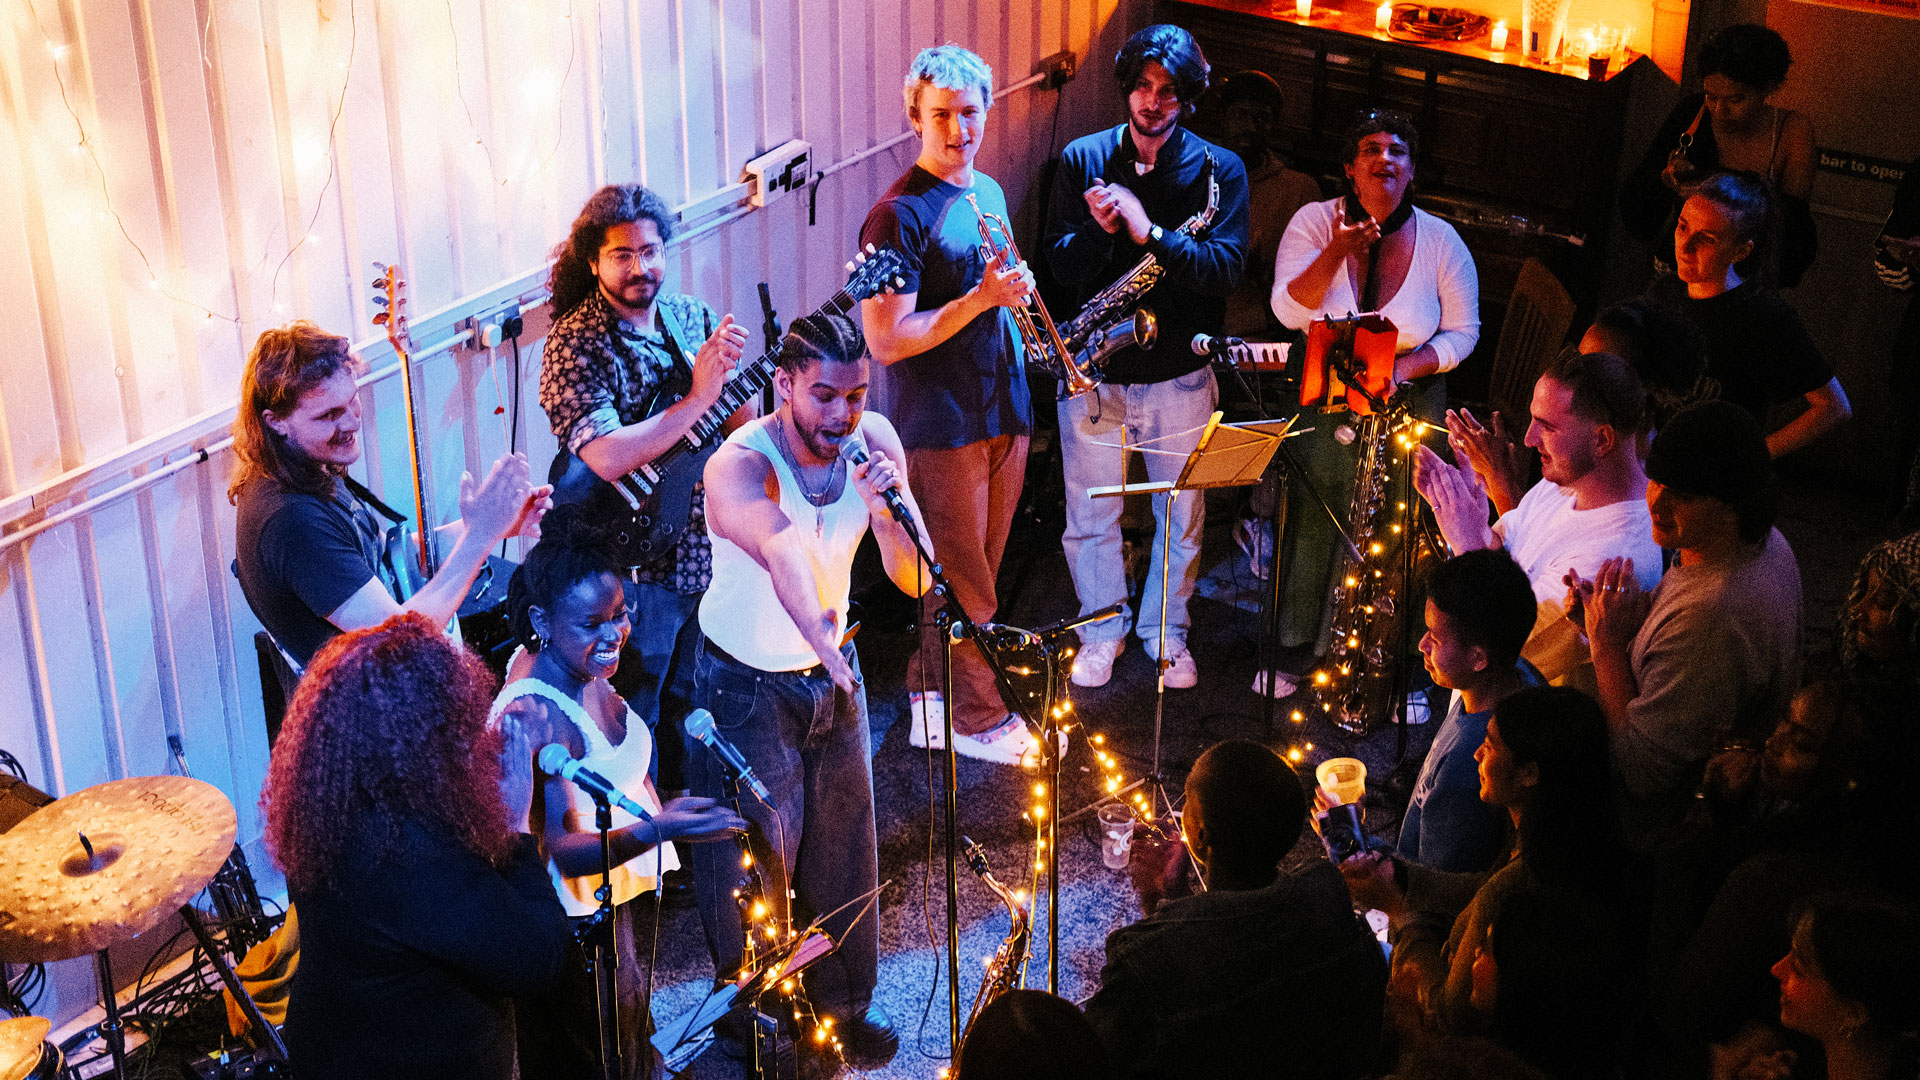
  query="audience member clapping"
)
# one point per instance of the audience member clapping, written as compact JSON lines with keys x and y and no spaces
{"x":1589,"y":506}
{"x":1267,"y":970}
{"x":1713,"y":652}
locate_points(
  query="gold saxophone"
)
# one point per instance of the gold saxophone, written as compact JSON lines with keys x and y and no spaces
{"x":1371,"y":593}
{"x":1103,"y":326}
{"x":1008,"y":968}
{"x":1037,"y":331}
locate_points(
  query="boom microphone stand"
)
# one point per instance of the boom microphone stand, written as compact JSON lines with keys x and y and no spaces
{"x":956,"y":626}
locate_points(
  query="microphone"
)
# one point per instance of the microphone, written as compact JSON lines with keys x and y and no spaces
{"x":700,"y":726}
{"x":854,"y":449}
{"x":560,"y":762}
{"x":1202,"y":345}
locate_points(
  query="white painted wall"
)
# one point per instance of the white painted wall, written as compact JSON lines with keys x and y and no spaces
{"x":176,"y":175}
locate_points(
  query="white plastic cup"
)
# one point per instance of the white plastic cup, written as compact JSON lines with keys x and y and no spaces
{"x":1344,"y":779}
{"x":1116,"y":834}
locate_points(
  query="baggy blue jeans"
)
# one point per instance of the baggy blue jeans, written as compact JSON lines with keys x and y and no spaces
{"x":808,"y":742}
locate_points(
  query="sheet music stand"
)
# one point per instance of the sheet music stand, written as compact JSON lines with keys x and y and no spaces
{"x":1227,"y":455}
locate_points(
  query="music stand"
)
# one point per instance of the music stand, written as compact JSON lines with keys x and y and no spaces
{"x":1226,"y":455}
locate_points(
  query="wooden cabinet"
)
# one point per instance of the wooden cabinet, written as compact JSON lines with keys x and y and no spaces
{"x":1497,"y":138}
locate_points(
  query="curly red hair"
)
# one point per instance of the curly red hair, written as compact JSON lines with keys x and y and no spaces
{"x":390,"y":721}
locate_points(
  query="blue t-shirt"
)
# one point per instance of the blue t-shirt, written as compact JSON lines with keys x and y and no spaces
{"x":1447,"y":827}
{"x":972,"y":386}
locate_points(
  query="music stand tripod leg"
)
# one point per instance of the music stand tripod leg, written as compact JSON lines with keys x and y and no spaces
{"x":266,"y":1036}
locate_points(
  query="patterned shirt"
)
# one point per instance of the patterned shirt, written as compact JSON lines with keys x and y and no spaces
{"x":597,"y":375}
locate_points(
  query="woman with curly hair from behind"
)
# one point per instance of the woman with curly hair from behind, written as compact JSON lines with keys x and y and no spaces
{"x":401,"y":821}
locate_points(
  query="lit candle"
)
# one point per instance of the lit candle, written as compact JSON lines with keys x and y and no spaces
{"x":1383,"y":15}
{"x":1303,"y":8}
{"x":1499,"y":43}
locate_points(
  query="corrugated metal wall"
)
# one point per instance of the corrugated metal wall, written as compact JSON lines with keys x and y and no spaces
{"x":176,"y":175}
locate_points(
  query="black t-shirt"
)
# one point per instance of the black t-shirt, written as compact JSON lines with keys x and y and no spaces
{"x":1757,"y":348}
{"x":299,"y":557}
{"x":972,"y":386}
{"x":408,"y":964}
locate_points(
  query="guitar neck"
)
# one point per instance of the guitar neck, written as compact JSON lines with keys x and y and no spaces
{"x":746,"y":384}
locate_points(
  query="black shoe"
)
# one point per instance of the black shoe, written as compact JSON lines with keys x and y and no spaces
{"x":868,"y":1041}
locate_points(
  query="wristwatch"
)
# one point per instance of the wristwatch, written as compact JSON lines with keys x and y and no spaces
{"x":1155,"y":233}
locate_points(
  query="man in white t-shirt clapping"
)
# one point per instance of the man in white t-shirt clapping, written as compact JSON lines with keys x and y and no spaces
{"x":1589,"y":506}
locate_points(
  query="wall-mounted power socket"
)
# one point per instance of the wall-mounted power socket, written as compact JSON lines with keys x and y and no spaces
{"x":785,"y":168}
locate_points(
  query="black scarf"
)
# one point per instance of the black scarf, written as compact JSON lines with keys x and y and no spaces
{"x":1369,"y":289}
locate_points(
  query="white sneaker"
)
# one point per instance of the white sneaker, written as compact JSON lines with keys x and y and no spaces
{"x":928,"y":713}
{"x":1283,"y":684}
{"x":1182,"y":673}
{"x":1093,"y":665}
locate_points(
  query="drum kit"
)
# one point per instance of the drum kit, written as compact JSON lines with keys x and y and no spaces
{"x":99,"y":868}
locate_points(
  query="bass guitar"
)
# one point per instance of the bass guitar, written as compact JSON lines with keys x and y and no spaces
{"x":648,"y":509}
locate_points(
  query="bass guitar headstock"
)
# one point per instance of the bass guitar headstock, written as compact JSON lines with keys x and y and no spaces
{"x":390,"y":296}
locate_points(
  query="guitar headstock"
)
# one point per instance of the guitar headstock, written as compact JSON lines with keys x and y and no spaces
{"x":875,"y":271}
{"x":390,"y":297}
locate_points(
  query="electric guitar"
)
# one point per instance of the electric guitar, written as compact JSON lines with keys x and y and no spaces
{"x":648,"y":509}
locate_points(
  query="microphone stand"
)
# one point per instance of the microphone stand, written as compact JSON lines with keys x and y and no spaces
{"x":956,"y":626}
{"x":603,"y":954}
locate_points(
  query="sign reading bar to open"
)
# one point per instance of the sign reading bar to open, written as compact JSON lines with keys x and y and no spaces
{"x":1862,"y":167}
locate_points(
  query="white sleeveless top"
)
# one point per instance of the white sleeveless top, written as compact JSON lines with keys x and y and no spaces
{"x":740,"y":612}
{"x":625,"y":766}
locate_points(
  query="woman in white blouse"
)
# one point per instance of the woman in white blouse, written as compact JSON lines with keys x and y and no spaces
{"x":1355,"y":254}
{"x":1368,"y":250}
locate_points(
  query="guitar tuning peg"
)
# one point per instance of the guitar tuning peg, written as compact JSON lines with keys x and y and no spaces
{"x":849,"y":267}
{"x":870,"y":250}
{"x":380,"y":319}
{"x":380,"y":298}
{"x":379,"y":268}
{"x":899,"y":282}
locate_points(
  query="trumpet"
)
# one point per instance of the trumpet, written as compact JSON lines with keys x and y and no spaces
{"x":1037,"y":329}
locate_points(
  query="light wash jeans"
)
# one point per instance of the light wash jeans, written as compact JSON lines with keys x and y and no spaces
{"x":1090,"y":434}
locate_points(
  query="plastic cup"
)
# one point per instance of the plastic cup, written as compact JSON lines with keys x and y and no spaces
{"x":1116,"y":834}
{"x":1344,"y":779}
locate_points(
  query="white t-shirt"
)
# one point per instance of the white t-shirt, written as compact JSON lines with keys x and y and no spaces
{"x":1548,"y":537}
{"x":1437,"y":304}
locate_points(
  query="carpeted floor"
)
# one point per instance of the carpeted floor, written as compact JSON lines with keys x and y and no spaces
{"x":1827,"y":528}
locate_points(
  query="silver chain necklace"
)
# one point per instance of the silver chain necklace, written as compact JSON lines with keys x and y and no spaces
{"x":818,"y":502}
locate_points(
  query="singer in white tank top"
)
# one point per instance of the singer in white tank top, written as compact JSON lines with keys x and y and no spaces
{"x":786,"y":507}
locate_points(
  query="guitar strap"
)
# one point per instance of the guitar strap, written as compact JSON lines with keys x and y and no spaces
{"x":393,"y":545}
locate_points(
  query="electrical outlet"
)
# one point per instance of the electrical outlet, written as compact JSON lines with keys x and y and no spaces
{"x":496,"y":326}
{"x":778,"y":171}
{"x":1060,"y":69}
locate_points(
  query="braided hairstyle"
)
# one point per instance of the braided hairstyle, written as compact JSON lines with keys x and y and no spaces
{"x":570,"y":551}
{"x":815,"y":339}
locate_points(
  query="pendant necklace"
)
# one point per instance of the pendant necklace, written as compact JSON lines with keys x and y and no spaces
{"x":819,"y":502}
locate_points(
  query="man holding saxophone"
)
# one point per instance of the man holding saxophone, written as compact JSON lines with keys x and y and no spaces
{"x":955,"y":387}
{"x":1147,"y":187}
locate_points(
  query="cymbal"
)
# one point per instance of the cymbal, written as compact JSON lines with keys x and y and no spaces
{"x":20,"y":1046}
{"x":108,"y":863}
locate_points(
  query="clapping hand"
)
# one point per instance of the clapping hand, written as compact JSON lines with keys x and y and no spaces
{"x":506,"y":503}
{"x":1459,"y":501}
{"x":1613,"y":605}
{"x":1494,"y":454}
